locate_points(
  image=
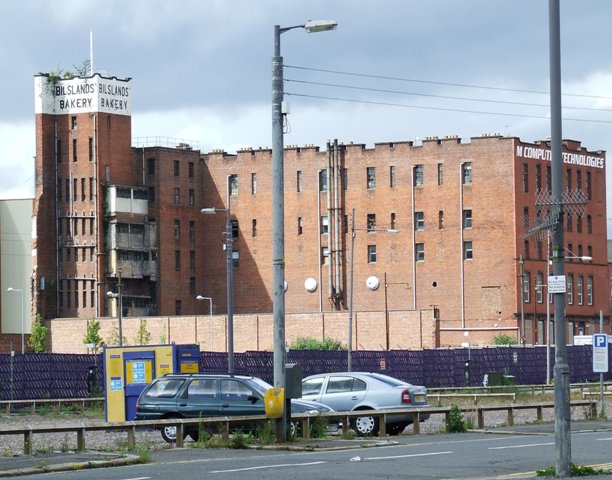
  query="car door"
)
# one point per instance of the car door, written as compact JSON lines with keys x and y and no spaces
{"x":200,"y":398}
{"x":343,"y":392}
{"x":237,"y":398}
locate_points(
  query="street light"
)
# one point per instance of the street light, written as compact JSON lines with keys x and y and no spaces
{"x":349,"y":348}
{"x":119,"y":296}
{"x":200,"y":298}
{"x":17,"y":290}
{"x":229,"y":274}
{"x":278,"y":205}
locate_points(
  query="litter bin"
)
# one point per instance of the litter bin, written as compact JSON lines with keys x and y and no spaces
{"x":274,"y":400}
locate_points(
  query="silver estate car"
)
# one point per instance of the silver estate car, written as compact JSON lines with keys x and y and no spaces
{"x":348,"y":391}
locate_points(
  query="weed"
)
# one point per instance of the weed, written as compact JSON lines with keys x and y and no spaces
{"x":44,"y":465}
{"x":240,"y":441}
{"x":349,"y":435}
{"x":265,"y":433}
{"x":144,"y":452}
{"x":318,"y":428}
{"x":455,"y":423}
{"x":575,"y":471}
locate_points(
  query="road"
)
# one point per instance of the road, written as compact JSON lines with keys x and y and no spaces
{"x":453,"y":456}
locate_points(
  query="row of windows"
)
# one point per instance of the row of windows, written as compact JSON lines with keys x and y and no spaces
{"x":192,"y":230}
{"x":541,"y":255}
{"x":70,"y":226}
{"x":69,"y":297}
{"x":192,"y":259}
{"x":570,"y":292}
{"x":176,"y":168}
{"x":80,"y":254}
{"x":569,"y":220}
{"x":567,"y":180}
{"x":177,"y":196}
{"x":58,"y":146}
{"x":73,"y":194}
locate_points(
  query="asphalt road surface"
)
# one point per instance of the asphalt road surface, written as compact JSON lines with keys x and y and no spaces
{"x":514,"y":453}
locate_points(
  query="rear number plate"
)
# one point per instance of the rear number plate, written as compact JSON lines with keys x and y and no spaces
{"x":419,"y":397}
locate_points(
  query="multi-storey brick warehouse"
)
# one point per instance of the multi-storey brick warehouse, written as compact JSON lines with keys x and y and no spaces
{"x":441,"y":225}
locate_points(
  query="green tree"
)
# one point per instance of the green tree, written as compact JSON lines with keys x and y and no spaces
{"x":92,"y":334}
{"x":310,"y":343}
{"x":143,"y":336}
{"x":504,"y":339}
{"x":38,"y":337}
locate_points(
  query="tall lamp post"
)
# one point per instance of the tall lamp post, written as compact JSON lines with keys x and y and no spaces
{"x":119,"y":296}
{"x":19,"y":291}
{"x":349,"y":347}
{"x":278,"y":206}
{"x":200,"y":298}
{"x":229,"y":274}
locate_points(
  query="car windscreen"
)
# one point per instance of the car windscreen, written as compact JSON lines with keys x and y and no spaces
{"x":164,"y":388}
{"x":394,"y":382}
{"x":260,"y":385}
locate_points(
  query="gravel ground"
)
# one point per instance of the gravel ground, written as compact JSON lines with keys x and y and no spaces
{"x":11,"y":445}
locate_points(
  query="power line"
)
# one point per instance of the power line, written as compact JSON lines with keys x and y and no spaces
{"x":463,"y":85}
{"x":390,"y":104}
{"x":380,"y":90}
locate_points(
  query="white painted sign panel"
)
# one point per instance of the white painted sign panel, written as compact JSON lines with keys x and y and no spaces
{"x":82,"y":95}
{"x":556,"y":284}
{"x":600,"y":353}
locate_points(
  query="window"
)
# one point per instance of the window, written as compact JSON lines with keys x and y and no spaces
{"x":344,"y":179}
{"x":151,"y":194}
{"x":58,"y":146}
{"x":440,"y":173}
{"x":233,"y":185}
{"x":191,"y":197}
{"x":526,"y":248}
{"x":300,"y":226}
{"x":568,"y":226}
{"x":191,"y":169}
{"x":91,"y":188}
{"x":371,"y":222}
{"x":579,"y":223}
{"x":324,"y":224}
{"x":177,"y":196}
{"x":177,"y":259}
{"x":254,"y":227}
{"x":579,"y":180}
{"x":539,"y":287}
{"x":298,"y":181}
{"x":468,"y":253}
{"x":526,"y":288}
{"x":91,"y":151}
{"x":392,"y":176}
{"x":589,"y":251}
{"x":371,"y":253}
{"x":191,"y":230}
{"x":418,"y":175}
{"x":466,"y":173}
{"x":371,"y":177}
{"x":441,"y":219}
{"x":589,"y":224}
{"x":192,"y":260}
{"x":538,"y":178}
{"x":83,"y":189}
{"x":150,"y":166}
{"x":570,"y":289}
{"x":419,"y":220}
{"x":548,"y":178}
{"x":235,"y":229}
{"x":74,"y":190}
{"x":322,"y":181}
{"x":588,"y":185}
{"x":392,"y":221}
{"x":525,"y":178}
{"x":59,"y":190}
{"x":568,"y":179}
{"x":467,"y":218}
{"x":177,"y":229}
{"x":73,"y":123}
{"x":589,"y":290}
{"x":192,"y":286}
{"x":178,"y":307}
{"x":253,"y":183}
{"x":419,"y":252}
{"x":177,"y":168}
{"x":579,"y":290}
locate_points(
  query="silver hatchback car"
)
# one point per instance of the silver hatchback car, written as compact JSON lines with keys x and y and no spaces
{"x":348,"y":391}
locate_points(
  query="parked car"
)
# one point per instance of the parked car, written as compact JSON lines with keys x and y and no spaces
{"x":208,"y":395}
{"x":348,"y":391}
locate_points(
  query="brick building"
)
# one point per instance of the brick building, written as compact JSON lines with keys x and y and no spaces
{"x":440,"y":225}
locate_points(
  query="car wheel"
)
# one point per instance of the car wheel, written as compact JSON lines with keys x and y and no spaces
{"x":396,"y":428}
{"x":168,"y":432}
{"x":366,"y":425}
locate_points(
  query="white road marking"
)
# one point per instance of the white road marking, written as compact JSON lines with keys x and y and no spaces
{"x":261,"y":467}
{"x":527,"y":445}
{"x":408,"y":456}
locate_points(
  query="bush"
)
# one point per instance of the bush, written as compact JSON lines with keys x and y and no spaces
{"x":38,"y":337}
{"x":310,"y":343}
{"x":455,"y":423}
{"x":504,"y":339}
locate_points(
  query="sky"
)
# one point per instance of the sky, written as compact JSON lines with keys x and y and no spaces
{"x":393,"y":70}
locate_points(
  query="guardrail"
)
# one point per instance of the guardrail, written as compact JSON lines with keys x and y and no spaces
{"x":9,"y":405}
{"x":224,"y":424}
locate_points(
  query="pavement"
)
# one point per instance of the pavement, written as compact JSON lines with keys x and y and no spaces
{"x":22,"y":465}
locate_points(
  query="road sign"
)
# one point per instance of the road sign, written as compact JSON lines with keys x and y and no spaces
{"x":556,"y":284}
{"x":600,"y":353}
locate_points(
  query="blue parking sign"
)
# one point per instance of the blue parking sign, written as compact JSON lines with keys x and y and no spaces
{"x":600,"y":352}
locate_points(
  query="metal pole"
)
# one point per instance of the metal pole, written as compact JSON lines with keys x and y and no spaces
{"x":601,"y":375}
{"x":22,"y":325}
{"x":120,"y":315}
{"x":278,"y":225}
{"x":547,"y":308}
{"x":230,"y":282}
{"x":561,"y":368}
{"x":522,"y":297}
{"x":349,"y":347}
